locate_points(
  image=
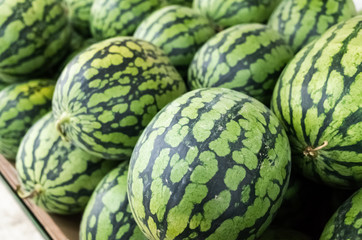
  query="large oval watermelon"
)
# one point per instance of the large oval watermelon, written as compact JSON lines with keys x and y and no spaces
{"x":107,"y":95}
{"x":108,"y":215}
{"x":226,"y":13}
{"x":248,"y":58}
{"x":56,"y":175}
{"x":21,"y":105}
{"x":111,"y":18}
{"x":179,"y":31}
{"x":346,"y":222}
{"x":34,"y":35}
{"x":302,"y":21}
{"x":318,"y":99}
{"x":213,"y":164}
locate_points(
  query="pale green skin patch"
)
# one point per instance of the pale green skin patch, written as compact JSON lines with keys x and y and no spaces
{"x":35,"y":35}
{"x":21,"y":105}
{"x":108,"y":215}
{"x":318,"y":100}
{"x":346,"y":222}
{"x":60,"y":176}
{"x":212,"y":163}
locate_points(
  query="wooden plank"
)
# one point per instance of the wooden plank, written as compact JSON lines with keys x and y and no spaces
{"x":56,"y":226}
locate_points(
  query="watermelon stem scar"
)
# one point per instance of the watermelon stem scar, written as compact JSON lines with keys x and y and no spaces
{"x":64,"y":118}
{"x":23,"y":195}
{"x":313,"y":152}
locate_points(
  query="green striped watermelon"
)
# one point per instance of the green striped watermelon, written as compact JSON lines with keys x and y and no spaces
{"x":318,"y":99}
{"x":34,"y":35}
{"x":108,"y":93}
{"x":111,"y":18}
{"x":79,"y":15}
{"x":226,"y":13}
{"x":346,"y":223}
{"x":213,"y":163}
{"x":9,"y":79}
{"x":179,"y":31}
{"x":302,"y":21}
{"x":21,"y":105}
{"x":57,"y":176}
{"x":247,"y":58}
{"x":108,"y":215}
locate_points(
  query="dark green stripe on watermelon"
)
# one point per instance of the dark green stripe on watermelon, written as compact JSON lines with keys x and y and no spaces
{"x":108,"y":93}
{"x":346,"y":222}
{"x":79,"y":15}
{"x":111,"y":18}
{"x":59,"y":177}
{"x":213,"y":163}
{"x":178,"y":31}
{"x":318,"y":99}
{"x":226,"y":13}
{"x":300,"y":22}
{"x":108,"y":215}
{"x":3,"y":85}
{"x":34,"y":35}
{"x":187,"y":3}
{"x":21,"y":105}
{"x":247,"y":58}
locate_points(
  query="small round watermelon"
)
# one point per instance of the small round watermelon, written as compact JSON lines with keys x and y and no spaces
{"x":227,"y":13}
{"x":34,"y":35}
{"x":56,"y":175}
{"x":247,"y":58}
{"x":111,"y":18}
{"x":21,"y":105}
{"x":346,"y":222}
{"x":108,"y":93}
{"x":179,"y":31}
{"x":318,"y":100}
{"x":213,"y":164}
{"x":108,"y":215}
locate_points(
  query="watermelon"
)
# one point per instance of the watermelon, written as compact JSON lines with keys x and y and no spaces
{"x":318,"y":99}
{"x":111,"y":18}
{"x":34,"y":35}
{"x":56,"y":175}
{"x":346,"y":222}
{"x":108,"y":215}
{"x":179,"y":31}
{"x":21,"y":105}
{"x":9,"y":79}
{"x":302,"y":21}
{"x":247,"y":58}
{"x":108,"y":93}
{"x":213,"y":163}
{"x":79,"y":14}
{"x":227,"y":13}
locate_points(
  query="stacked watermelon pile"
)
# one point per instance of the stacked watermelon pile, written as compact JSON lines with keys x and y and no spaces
{"x":203,"y":119}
